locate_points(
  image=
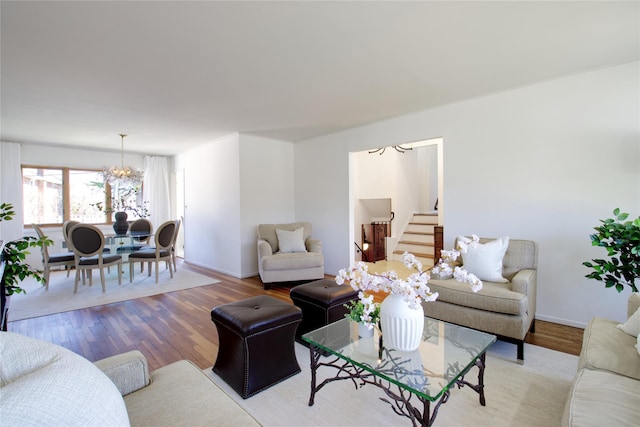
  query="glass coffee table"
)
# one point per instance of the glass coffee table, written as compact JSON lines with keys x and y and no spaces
{"x":412,"y":381}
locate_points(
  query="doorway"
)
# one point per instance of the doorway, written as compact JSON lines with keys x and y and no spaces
{"x":409,"y":176}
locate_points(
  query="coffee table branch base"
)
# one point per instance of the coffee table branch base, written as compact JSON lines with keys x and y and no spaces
{"x":400,"y":401}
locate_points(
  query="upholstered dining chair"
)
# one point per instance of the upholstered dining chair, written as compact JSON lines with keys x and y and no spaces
{"x":163,"y":237}
{"x":66,"y":260}
{"x":173,"y":244}
{"x":66,"y":226}
{"x":141,"y":230}
{"x":87,"y":244}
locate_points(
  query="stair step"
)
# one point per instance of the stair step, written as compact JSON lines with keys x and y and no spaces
{"x":412,"y":242}
{"x":420,"y":233}
{"x":419,"y":255}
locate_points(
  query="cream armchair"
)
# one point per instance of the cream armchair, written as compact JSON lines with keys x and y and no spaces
{"x":505,"y":308}
{"x":286,"y":252}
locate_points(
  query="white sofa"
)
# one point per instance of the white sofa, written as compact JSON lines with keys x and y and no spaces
{"x":606,"y":388}
{"x":43,"y":384}
{"x":301,"y":262}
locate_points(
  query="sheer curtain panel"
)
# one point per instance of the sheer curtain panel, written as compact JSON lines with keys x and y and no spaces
{"x":156,"y":189}
{"x":11,"y":189}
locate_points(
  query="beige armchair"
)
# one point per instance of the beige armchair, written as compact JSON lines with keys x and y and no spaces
{"x":504,"y":309}
{"x":286,"y":252}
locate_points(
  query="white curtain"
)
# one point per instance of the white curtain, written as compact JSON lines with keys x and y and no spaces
{"x":156,"y":189}
{"x":11,"y":189}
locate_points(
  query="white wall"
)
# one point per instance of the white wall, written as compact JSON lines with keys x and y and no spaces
{"x":232,"y":185}
{"x":543,"y":162}
{"x":46,"y":155}
{"x":266,"y":186}
{"x":212,"y":204}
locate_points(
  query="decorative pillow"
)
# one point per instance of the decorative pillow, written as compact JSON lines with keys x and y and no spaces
{"x":638,"y":344}
{"x":485,"y":260}
{"x":632,"y":325}
{"x":291,"y":241}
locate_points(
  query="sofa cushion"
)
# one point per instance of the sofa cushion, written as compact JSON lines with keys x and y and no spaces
{"x":485,"y":259}
{"x":292,"y":261}
{"x":181,"y":394}
{"x":496,"y":297}
{"x":291,"y":241}
{"x":48,"y":385}
{"x":600,"y":398}
{"x":607,"y":348}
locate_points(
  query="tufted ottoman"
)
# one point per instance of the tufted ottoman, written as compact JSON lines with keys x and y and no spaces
{"x":256,"y":343}
{"x":322,"y":302}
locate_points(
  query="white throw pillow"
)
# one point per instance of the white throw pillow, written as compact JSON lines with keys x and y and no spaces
{"x":485,"y":259}
{"x":632,"y":325}
{"x":638,"y":344}
{"x":291,"y":241}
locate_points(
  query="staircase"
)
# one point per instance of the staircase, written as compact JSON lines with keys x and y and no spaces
{"x":419,"y":238}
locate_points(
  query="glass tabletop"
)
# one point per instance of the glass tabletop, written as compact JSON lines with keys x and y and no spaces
{"x":445,"y":354}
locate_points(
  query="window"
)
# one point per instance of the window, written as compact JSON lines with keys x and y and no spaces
{"x":54,"y":195}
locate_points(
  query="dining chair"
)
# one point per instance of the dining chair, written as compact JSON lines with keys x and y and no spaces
{"x":141,"y":230}
{"x":66,"y":226}
{"x":160,"y":253}
{"x":173,"y":244}
{"x":65,"y":260}
{"x":87,"y":244}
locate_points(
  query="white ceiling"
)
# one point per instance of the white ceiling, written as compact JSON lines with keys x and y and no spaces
{"x":175,"y":74}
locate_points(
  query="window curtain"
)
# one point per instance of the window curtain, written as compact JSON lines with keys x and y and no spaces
{"x":11,"y":189}
{"x":156,"y":189}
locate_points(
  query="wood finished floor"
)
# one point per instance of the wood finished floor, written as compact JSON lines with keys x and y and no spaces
{"x":177,"y":325}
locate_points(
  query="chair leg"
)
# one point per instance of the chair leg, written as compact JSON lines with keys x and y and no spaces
{"x":131,"y":271}
{"x":75,"y":288}
{"x":102,"y":279}
{"x":120,"y":274}
{"x":47,"y":272}
{"x":157,"y":268}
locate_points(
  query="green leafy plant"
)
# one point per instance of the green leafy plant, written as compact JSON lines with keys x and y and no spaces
{"x":14,"y":254}
{"x":621,"y":239}
{"x":363,"y":310}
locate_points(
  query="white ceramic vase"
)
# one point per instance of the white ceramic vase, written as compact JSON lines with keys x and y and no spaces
{"x":401,"y":325}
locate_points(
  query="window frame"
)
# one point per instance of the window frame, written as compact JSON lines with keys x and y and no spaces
{"x":66,"y":192}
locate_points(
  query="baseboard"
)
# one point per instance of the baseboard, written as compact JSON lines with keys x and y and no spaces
{"x":559,"y":321}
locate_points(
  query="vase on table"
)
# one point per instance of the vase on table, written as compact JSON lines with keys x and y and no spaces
{"x":121,"y":226}
{"x":401,"y":325}
{"x":364,"y":331}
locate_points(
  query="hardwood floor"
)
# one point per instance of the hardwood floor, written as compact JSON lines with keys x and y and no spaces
{"x":177,"y":325}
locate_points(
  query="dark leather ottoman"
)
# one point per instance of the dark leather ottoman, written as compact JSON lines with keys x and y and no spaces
{"x":256,"y":343}
{"x":322,"y":302}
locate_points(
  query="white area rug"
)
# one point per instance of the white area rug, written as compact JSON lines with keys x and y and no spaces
{"x":60,"y":297}
{"x":532,"y":394}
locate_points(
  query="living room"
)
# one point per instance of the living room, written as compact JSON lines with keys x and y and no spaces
{"x":543,"y":160}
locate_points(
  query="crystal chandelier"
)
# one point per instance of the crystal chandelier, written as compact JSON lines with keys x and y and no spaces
{"x":122,"y":175}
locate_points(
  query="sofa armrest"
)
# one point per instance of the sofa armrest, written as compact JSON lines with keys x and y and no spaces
{"x":314,"y":245}
{"x":264,"y":248}
{"x":128,"y":371}
{"x":524,"y":281}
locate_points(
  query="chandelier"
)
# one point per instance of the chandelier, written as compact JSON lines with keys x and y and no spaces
{"x":122,"y":175}
{"x":398,"y":148}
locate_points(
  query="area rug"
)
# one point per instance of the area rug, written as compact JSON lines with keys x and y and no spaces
{"x":60,"y":297}
{"x":532,"y":394}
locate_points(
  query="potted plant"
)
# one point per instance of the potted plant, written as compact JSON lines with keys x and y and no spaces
{"x":365,"y":312}
{"x":621,"y":239}
{"x":14,"y":255}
